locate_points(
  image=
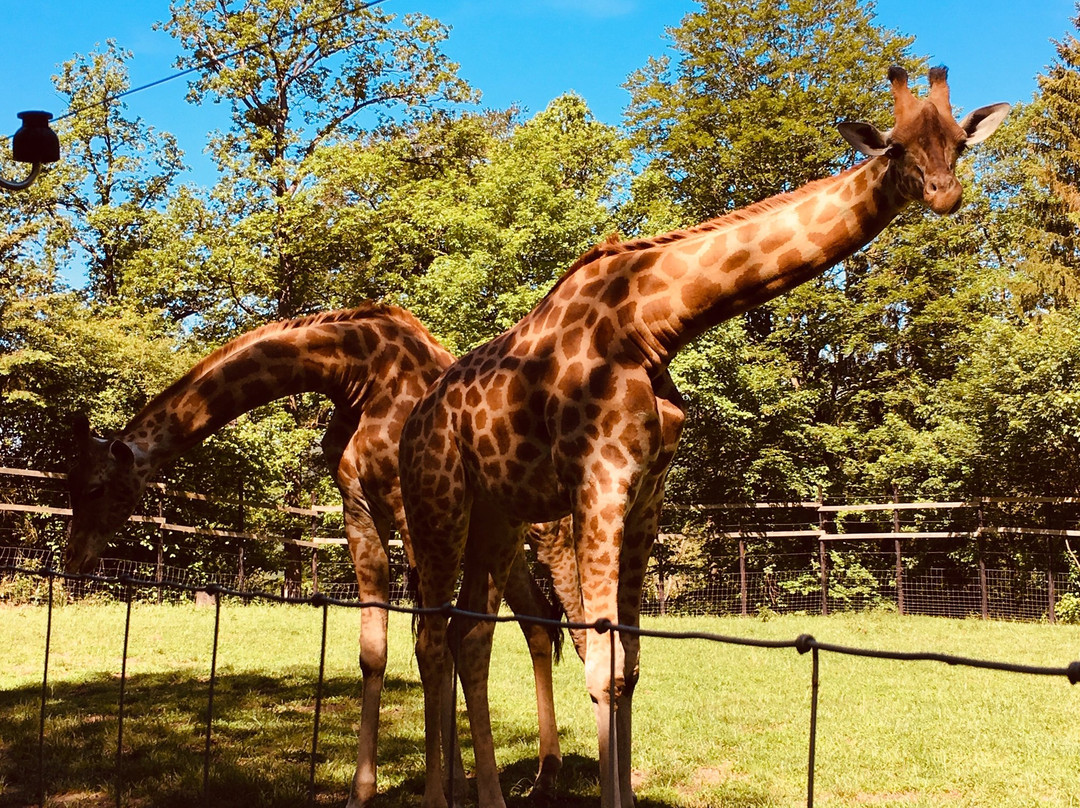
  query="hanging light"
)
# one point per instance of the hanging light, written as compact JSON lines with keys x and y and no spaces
{"x":34,"y":143}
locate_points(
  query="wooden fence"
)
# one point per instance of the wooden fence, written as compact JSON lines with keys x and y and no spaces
{"x":833,"y":526}
{"x":797,"y":524}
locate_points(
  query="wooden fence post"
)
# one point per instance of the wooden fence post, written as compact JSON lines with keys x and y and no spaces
{"x":824,"y":561}
{"x":293,"y":586}
{"x":1051,"y":595}
{"x":822,"y":557}
{"x":899,"y":556}
{"x":984,"y":593}
{"x":241,"y":528}
{"x":742,"y":578}
{"x":314,"y":548}
{"x":159,"y":567}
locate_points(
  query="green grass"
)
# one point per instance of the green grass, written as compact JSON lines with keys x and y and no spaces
{"x":715,"y":725}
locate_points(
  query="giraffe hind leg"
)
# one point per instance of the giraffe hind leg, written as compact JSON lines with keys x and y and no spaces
{"x":492,"y":546}
{"x":524,"y":597}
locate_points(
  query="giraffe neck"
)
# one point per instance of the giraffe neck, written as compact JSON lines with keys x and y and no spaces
{"x":663,"y":292}
{"x":343,"y":358}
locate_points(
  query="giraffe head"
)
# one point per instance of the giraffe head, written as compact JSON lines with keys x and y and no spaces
{"x":926,"y":140}
{"x":105,"y":487}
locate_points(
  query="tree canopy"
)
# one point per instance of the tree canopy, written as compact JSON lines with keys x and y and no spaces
{"x":942,"y":360}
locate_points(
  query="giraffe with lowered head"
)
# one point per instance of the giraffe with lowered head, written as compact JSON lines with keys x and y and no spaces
{"x":373,"y":362}
{"x":572,"y":410}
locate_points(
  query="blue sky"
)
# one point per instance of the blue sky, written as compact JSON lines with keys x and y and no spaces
{"x":523,"y":51}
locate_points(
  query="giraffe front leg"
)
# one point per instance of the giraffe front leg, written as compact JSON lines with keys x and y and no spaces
{"x":373,"y":624}
{"x":613,"y":552}
{"x":598,"y":561}
{"x":368,"y":541}
{"x":525,"y":599}
{"x":642,"y":527}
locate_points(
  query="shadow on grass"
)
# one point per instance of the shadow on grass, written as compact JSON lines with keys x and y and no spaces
{"x":261,"y":745}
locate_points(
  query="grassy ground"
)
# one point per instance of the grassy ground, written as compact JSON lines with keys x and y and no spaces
{"x":715,"y":725}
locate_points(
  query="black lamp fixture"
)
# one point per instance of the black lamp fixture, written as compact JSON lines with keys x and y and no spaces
{"x":34,"y":143}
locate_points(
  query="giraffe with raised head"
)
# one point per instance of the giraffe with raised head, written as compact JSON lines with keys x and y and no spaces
{"x":373,"y":363}
{"x":572,"y":410}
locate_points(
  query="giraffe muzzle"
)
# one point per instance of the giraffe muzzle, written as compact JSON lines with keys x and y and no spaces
{"x":79,"y":555}
{"x":943,"y":195}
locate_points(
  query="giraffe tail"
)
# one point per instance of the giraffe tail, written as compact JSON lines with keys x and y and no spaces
{"x":528,"y":597}
{"x":412,"y":591}
{"x":556,"y":612}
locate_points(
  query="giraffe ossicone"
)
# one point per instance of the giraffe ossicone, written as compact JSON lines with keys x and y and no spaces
{"x":572,"y":410}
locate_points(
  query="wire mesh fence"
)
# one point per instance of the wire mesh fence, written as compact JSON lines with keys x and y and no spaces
{"x":1000,"y":594}
{"x":995,"y":557}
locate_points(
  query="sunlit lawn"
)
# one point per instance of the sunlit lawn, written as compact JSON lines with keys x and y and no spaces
{"x":715,"y":725}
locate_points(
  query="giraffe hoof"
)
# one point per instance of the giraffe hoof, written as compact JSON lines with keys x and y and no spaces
{"x":542,"y":797}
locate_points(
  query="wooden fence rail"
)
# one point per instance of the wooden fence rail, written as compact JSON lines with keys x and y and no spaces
{"x":824,"y":514}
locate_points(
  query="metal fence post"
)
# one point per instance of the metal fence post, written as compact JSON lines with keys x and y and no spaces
{"x":120,"y":709}
{"x":811,"y":763}
{"x":45,"y":694}
{"x":210,"y":698}
{"x":318,"y":706}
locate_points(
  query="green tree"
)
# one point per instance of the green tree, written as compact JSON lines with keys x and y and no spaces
{"x":297,"y":76}
{"x":115,"y":177}
{"x":467,"y":219}
{"x":62,"y":351}
{"x":748,"y":108}
{"x":1020,"y":396}
{"x":542,"y":198}
{"x":59,"y":356}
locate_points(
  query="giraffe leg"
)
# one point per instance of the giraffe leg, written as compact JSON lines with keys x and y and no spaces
{"x":431,"y":659}
{"x":368,"y":547}
{"x":598,"y":560}
{"x":639,"y":535}
{"x":554,"y":544}
{"x":457,"y":788}
{"x":524,"y":598}
{"x":489,"y":553}
{"x":368,"y":536}
{"x":613,"y":550}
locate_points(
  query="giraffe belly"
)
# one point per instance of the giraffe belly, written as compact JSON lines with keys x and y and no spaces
{"x":525,"y":491}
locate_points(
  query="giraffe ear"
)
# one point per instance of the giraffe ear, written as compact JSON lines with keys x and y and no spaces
{"x":121,"y":453}
{"x":866,"y":138}
{"x":981,"y":123}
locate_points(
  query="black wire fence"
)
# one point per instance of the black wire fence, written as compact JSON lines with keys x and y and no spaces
{"x":129,"y":586}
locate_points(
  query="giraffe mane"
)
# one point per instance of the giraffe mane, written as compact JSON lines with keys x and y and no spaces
{"x":613,"y":246}
{"x":366,"y":310}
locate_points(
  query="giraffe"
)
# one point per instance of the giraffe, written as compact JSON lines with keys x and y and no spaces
{"x":373,"y":362}
{"x":573,"y":411}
